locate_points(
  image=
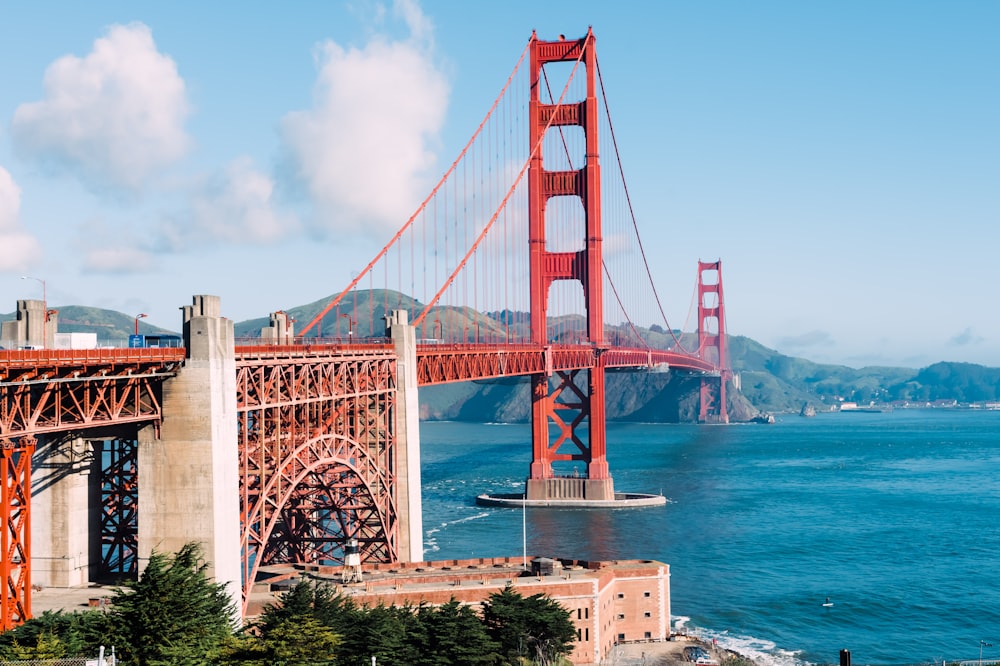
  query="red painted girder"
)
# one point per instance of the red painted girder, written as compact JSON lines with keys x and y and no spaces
{"x":312,"y":351}
{"x":12,"y":361}
{"x":316,"y":426}
{"x":57,"y":394}
{"x":442,"y":363}
{"x":624,"y":357}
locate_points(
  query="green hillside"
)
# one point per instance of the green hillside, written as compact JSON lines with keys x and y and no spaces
{"x":769,"y":381}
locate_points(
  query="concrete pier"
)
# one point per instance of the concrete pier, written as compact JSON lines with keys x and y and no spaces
{"x":65,"y":513}
{"x":35,"y":326}
{"x":408,"y":498}
{"x":189,"y":476}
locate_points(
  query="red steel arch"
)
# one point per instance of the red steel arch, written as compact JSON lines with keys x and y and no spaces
{"x":317,"y":446}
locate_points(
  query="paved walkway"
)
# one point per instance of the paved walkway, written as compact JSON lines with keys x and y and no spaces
{"x":665,"y":653}
{"x":68,"y":598}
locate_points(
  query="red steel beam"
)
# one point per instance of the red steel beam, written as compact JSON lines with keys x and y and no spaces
{"x":15,"y":535}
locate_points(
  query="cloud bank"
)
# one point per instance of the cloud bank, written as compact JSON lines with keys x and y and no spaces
{"x":20,"y":249}
{"x":114,"y":117}
{"x":365,"y":150}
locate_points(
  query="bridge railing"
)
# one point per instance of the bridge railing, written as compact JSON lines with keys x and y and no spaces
{"x":101,"y":355}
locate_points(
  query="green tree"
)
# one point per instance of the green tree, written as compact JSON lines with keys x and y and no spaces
{"x":458,"y":636}
{"x":301,"y":641}
{"x":379,"y":631}
{"x":79,"y":634}
{"x":535,"y":626}
{"x":48,"y":646}
{"x":173,"y":614}
{"x":307,"y":599}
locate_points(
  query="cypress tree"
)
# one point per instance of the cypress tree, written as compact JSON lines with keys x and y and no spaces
{"x":173,"y":614}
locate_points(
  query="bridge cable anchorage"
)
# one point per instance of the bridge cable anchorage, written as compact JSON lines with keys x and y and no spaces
{"x":422,"y":207}
{"x":503,"y":204}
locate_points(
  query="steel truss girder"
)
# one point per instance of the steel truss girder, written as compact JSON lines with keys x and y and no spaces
{"x":58,"y":398}
{"x":15,"y":539}
{"x":439,"y":364}
{"x":623,"y":357}
{"x":317,"y":441}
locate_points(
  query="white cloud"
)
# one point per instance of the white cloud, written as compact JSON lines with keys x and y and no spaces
{"x":239,"y":207}
{"x":118,"y":258}
{"x":114,"y":117}
{"x":109,"y":248}
{"x":20,"y":249}
{"x":236,"y":206}
{"x":365,"y":148}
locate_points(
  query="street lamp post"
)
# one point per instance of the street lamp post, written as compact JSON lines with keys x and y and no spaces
{"x":45,"y":310}
{"x":141,"y":315}
{"x":350,"y":326}
{"x":983,"y":644}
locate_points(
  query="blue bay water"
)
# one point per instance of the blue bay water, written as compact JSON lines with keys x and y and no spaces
{"x":895,"y":517}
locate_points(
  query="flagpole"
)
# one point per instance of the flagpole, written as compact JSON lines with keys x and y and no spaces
{"x":524,"y":529}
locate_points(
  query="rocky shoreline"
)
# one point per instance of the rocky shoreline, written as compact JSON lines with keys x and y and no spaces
{"x":671,"y":653}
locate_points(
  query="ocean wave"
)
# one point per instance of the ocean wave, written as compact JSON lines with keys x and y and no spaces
{"x":468,"y":518}
{"x":763,"y":652}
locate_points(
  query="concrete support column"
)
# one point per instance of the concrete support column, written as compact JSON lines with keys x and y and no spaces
{"x":64,"y":518}
{"x":407,"y":464}
{"x":281,"y":330}
{"x":189,"y":478}
{"x":33,"y":326}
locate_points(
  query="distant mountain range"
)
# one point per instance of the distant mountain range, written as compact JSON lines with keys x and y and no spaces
{"x":770,"y":381}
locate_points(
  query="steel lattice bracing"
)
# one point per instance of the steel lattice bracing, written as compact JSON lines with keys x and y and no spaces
{"x":51,"y":392}
{"x":119,"y":507}
{"x":15,"y":543}
{"x":58,"y":391}
{"x":317,"y":446}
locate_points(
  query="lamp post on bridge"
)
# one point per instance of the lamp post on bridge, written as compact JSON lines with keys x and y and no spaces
{"x":982,"y":644}
{"x":141,"y":315}
{"x":45,"y":309}
{"x":350,"y":326}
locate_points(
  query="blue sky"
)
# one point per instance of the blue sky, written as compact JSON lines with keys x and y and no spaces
{"x":842,"y":159}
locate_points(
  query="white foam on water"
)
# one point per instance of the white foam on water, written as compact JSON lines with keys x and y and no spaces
{"x":763,"y":652}
{"x":468,"y":518}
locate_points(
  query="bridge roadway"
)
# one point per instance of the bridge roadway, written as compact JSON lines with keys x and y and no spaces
{"x":102,"y":370}
{"x":342,"y":425}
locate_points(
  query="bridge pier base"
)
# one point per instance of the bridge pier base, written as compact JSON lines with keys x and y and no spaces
{"x":408,"y":500}
{"x":571,"y":488}
{"x":65,"y":508}
{"x":189,"y":478}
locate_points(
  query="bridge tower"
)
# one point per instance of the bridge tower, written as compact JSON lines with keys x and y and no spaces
{"x":712,"y":342}
{"x":562,"y":403}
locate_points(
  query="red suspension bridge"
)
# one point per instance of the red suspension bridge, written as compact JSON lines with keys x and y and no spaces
{"x":524,"y":260}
